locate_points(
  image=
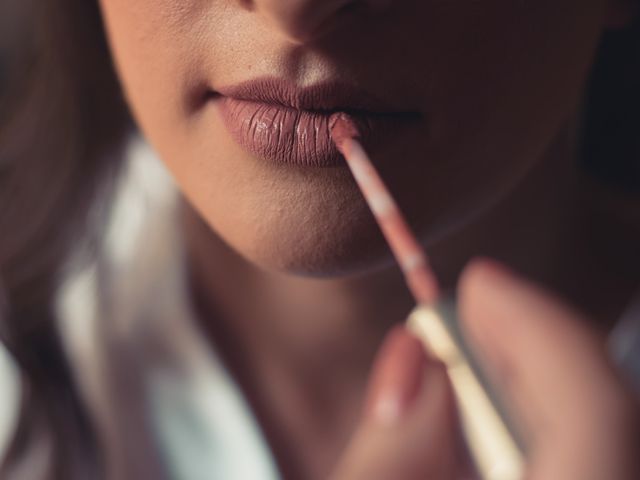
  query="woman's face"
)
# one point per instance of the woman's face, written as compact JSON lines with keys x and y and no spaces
{"x":458,"y":98}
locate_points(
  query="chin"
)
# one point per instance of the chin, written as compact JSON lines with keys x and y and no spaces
{"x":319,"y":246}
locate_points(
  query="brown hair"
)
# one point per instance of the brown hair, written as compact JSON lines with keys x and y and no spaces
{"x":62,"y":129}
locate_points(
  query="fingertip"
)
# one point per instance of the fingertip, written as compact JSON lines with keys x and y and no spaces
{"x":396,"y":376}
{"x":481,"y":285}
{"x":490,"y":291}
{"x":531,"y":341}
{"x":482,"y":273}
{"x":399,"y":346}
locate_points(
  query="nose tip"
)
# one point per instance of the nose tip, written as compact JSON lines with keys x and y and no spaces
{"x":304,"y":20}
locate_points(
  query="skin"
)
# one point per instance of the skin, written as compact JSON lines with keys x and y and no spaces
{"x":531,"y":345}
{"x":489,"y":170}
{"x":499,"y":61}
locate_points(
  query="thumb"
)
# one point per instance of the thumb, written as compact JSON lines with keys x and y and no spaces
{"x":408,"y":425}
{"x":553,"y":371}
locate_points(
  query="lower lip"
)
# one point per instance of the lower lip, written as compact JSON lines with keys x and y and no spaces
{"x":285,"y":135}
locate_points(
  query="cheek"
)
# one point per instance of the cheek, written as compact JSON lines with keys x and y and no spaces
{"x":505,"y":79}
{"x":155,"y":45}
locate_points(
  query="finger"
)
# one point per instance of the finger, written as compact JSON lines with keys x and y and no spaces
{"x":551,"y":368}
{"x":408,"y":426}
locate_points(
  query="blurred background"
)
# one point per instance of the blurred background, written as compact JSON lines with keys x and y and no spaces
{"x":13,"y":31}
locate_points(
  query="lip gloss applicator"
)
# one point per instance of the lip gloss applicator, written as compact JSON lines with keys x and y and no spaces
{"x":491,"y":438}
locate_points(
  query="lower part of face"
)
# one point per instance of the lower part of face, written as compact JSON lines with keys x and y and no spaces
{"x":489,"y":84}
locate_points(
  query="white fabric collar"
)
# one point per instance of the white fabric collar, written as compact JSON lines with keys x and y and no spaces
{"x":145,"y":369}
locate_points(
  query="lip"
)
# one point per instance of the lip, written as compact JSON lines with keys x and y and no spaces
{"x":286,"y":124}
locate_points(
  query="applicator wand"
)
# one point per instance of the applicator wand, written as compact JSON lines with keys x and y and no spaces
{"x":491,"y":440}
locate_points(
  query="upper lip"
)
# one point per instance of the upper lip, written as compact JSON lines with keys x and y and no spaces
{"x":326,"y":97}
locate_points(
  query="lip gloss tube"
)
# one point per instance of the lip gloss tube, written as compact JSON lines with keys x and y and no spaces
{"x":492,"y":441}
{"x":491,"y":438}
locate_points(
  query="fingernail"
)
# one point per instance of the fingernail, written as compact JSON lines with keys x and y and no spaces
{"x":397,"y":377}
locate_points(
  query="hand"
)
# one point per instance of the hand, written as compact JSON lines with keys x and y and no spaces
{"x":578,"y":419}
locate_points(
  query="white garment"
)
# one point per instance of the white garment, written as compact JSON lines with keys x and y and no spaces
{"x":10,"y":388}
{"x":165,"y":404}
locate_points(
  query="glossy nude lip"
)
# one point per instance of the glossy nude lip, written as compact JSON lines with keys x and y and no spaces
{"x":286,"y":124}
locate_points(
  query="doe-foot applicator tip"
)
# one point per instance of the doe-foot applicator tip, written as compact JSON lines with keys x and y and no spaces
{"x":342,"y":127}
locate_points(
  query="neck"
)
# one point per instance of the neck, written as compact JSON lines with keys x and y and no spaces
{"x":290,"y":315}
{"x":552,"y":227}
{"x":301,"y":348}
{"x":529,"y":227}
